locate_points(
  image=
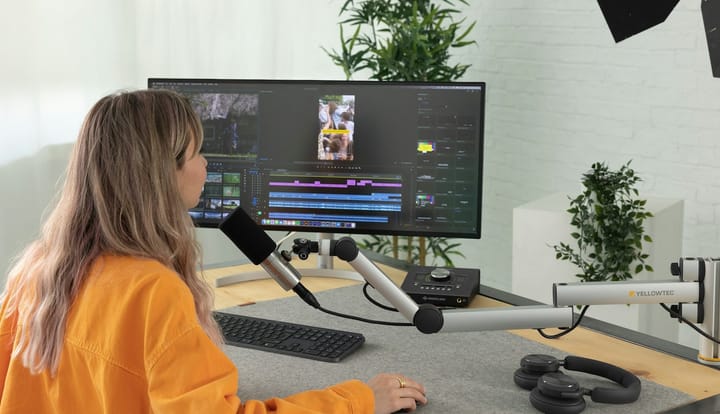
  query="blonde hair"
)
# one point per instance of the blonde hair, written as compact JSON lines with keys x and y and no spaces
{"x":120,"y":197}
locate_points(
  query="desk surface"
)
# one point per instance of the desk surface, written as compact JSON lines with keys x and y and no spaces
{"x":690,"y":377}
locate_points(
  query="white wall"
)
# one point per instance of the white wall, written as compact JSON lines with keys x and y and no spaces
{"x":267,"y":39}
{"x":561,"y":95}
{"x":57,"y":59}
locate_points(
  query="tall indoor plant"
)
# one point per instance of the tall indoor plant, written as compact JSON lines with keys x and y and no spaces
{"x":608,"y":218}
{"x":403,"y":40}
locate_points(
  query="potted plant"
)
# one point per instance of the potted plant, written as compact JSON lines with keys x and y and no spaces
{"x":608,"y":219}
{"x":403,"y":40}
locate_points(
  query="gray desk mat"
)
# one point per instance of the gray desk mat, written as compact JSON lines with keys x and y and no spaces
{"x":468,"y":372}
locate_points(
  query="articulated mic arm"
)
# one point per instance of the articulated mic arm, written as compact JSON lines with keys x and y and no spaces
{"x":427,"y":317}
{"x":694,"y":297}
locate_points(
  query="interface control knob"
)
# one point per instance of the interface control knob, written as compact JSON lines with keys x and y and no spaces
{"x":440,"y":274}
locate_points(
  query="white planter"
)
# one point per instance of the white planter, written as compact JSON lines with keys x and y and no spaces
{"x":540,"y":224}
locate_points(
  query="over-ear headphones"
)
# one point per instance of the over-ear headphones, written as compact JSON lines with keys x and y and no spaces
{"x":554,"y":392}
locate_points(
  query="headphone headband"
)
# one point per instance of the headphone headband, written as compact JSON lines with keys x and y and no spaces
{"x":631,"y":383}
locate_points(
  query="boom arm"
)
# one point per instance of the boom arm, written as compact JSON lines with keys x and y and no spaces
{"x":427,"y":317}
{"x":694,"y":297}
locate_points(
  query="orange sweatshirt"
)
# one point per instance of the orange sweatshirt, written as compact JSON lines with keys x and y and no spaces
{"x":133,"y":345}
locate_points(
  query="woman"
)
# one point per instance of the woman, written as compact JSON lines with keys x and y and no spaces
{"x":105,"y":311}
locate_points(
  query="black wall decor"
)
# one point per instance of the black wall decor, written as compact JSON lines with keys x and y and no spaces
{"x":711,"y":19}
{"x":629,"y":17}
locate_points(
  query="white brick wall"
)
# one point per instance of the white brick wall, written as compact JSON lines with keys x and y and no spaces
{"x":562,"y":95}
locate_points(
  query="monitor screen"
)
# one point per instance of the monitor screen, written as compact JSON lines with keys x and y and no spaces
{"x":396,"y":158}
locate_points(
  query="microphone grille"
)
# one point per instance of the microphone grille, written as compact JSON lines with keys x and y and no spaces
{"x":250,"y":238}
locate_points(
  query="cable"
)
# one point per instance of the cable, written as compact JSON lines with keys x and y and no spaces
{"x":311,"y":300}
{"x":664,"y":306}
{"x":357,"y":318}
{"x":287,"y":236}
{"x":568,"y":330}
{"x":674,"y":314}
{"x":373,"y":301}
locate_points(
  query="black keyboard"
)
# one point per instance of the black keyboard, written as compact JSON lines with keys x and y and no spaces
{"x":304,"y":341}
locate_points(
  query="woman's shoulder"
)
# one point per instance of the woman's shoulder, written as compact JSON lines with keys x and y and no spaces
{"x":132,"y":274}
{"x":136,"y":302}
{"x":130,"y":265}
{"x":137,"y":286}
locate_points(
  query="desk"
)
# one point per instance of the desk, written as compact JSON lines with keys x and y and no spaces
{"x":681,"y":374}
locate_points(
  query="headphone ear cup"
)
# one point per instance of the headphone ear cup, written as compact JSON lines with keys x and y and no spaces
{"x":532,"y":367}
{"x":552,"y":405}
{"x":539,"y":363}
{"x":526,"y":380}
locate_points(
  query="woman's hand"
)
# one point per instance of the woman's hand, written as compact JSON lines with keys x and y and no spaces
{"x":395,"y":392}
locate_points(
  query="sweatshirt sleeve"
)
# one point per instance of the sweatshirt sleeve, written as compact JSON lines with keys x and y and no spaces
{"x":347,"y":397}
{"x":188,"y":373}
{"x":193,"y":375}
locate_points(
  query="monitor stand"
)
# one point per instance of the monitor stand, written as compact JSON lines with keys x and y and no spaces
{"x":324,"y":268}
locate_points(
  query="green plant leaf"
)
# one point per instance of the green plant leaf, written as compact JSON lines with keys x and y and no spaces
{"x":608,"y":222}
{"x":403,"y":40}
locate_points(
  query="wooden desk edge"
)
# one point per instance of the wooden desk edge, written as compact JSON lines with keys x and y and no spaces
{"x":690,"y":377}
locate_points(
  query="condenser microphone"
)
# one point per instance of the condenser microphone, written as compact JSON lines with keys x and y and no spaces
{"x":255,"y":243}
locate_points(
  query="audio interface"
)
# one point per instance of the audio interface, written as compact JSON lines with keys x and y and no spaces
{"x":442,"y":286}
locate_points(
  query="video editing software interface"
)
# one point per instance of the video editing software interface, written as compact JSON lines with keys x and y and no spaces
{"x":341,"y":156}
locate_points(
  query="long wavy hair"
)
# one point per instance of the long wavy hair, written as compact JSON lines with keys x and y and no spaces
{"x":120,"y":197}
